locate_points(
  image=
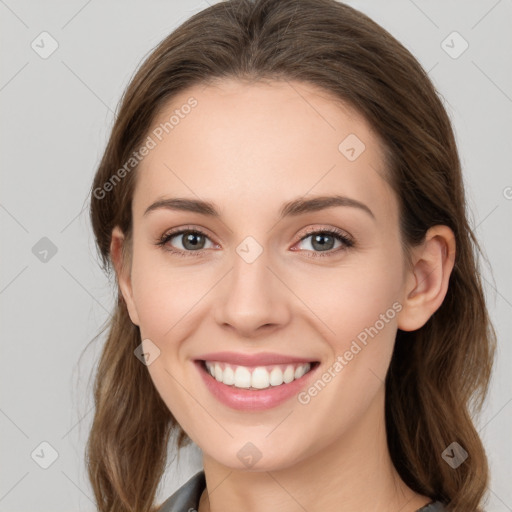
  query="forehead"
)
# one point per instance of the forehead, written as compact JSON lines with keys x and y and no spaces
{"x":260,"y":143}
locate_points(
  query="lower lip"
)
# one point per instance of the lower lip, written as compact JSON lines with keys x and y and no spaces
{"x":253,"y":399}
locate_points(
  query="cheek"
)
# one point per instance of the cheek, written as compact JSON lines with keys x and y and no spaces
{"x":352,"y":297}
{"x":360,"y":311}
{"x":356,"y":308}
{"x":163,"y":294}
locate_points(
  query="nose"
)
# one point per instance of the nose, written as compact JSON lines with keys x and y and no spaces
{"x":252,"y":299}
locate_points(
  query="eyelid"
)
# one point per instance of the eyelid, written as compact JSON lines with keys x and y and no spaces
{"x":319,"y":229}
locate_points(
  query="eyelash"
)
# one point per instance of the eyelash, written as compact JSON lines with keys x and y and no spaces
{"x":334,"y":232}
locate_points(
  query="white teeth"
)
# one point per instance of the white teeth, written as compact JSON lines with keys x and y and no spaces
{"x":261,"y":377}
{"x":218,"y":372}
{"x":228,"y":377}
{"x":242,"y":377}
{"x":299,"y":372}
{"x":289,"y":374}
{"x":276,"y":377}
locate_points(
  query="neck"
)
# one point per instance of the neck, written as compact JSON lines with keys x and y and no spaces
{"x":351,"y":474}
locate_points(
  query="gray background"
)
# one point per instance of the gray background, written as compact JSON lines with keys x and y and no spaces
{"x":56,"y":113}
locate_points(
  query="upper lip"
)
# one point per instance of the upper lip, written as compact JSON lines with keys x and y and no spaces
{"x":261,"y":359}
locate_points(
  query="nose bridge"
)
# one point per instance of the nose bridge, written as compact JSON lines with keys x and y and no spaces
{"x":252,"y":296}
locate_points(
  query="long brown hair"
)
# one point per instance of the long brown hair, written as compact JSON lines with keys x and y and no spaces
{"x":439,"y":375}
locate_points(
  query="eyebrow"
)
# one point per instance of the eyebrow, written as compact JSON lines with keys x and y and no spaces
{"x":292,"y":208}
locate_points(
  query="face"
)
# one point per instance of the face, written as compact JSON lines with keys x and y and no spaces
{"x":275,"y":284}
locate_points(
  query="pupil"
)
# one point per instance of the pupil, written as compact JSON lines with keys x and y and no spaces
{"x":191,"y":238}
{"x":322,"y":246}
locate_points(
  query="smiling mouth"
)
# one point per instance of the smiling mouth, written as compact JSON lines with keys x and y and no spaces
{"x":256,"y":377}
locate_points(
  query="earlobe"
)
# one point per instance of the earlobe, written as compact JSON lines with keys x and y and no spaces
{"x":427,"y":283}
{"x":123,"y":272}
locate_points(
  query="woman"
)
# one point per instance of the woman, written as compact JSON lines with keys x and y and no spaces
{"x":282,"y":203}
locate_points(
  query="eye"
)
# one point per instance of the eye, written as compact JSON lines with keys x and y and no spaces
{"x":191,"y":241}
{"x":323,"y":241}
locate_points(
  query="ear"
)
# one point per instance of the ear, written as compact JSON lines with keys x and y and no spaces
{"x":123,"y":272}
{"x":427,"y":282}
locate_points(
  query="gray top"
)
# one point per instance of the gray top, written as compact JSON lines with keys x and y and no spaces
{"x":186,"y":498}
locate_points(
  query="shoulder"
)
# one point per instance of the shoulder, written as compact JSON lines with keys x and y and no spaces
{"x":187,"y":496}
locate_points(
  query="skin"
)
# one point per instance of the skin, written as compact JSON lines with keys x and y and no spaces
{"x":249,"y":148}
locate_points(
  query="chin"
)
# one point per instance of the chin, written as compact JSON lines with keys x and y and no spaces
{"x":252,"y":456}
